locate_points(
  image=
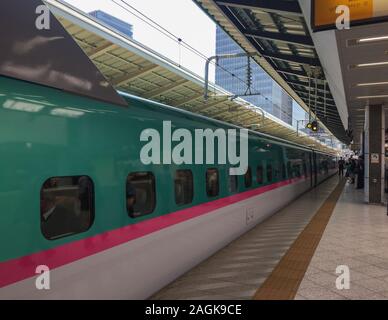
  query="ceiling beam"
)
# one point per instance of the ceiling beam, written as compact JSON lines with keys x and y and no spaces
{"x":312,"y":95}
{"x":230,"y":111}
{"x":333,"y":118}
{"x":165,"y":89}
{"x":237,"y":118}
{"x":292,"y":58}
{"x":291,"y":72}
{"x":212,"y":105}
{"x":332,"y":121}
{"x":257,"y":117}
{"x":277,"y":6}
{"x":187,"y":100}
{"x":127,"y":78}
{"x":306,"y":85}
{"x":330,"y":111}
{"x":322,"y":115}
{"x":97,"y":52}
{"x":281,"y":37}
{"x":296,"y":73}
{"x":241,"y":118}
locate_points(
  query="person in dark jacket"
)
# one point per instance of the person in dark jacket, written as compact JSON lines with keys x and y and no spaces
{"x":360,"y":173}
{"x":352,"y":170}
{"x":341,"y":166}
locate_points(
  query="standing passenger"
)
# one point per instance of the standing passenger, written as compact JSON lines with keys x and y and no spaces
{"x":341,"y":165}
{"x":352,"y":171}
{"x":360,"y":179}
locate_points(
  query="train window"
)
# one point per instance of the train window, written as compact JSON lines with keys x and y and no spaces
{"x":289,"y":169}
{"x":141,"y":195}
{"x":233,"y":183}
{"x":184,"y":188}
{"x":269,"y":173}
{"x":284,"y":173}
{"x":66,"y":206}
{"x":212,"y":183}
{"x":259,"y":174}
{"x":297,"y":169}
{"x":248,"y":178}
{"x":277,"y":171}
{"x":304,"y":168}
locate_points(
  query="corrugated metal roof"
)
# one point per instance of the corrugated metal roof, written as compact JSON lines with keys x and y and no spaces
{"x":136,"y":69}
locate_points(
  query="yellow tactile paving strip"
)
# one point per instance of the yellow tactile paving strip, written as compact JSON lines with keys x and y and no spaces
{"x":284,"y":281}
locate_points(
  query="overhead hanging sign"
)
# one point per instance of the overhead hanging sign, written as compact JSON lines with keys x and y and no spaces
{"x":324,"y":12}
{"x":375,"y":158}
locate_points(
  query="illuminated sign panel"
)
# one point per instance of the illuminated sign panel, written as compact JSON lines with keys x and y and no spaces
{"x":324,"y":14}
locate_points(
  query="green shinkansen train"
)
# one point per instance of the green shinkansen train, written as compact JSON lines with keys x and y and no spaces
{"x":77,"y":157}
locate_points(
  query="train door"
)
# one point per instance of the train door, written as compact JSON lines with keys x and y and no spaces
{"x":311,"y":170}
{"x":314,"y":166}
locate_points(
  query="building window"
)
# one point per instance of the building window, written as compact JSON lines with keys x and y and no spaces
{"x":233,"y":183}
{"x":259,"y":174}
{"x":184,"y":188}
{"x":66,"y":206}
{"x":141,"y":194}
{"x":269,"y":173}
{"x":248,"y":178}
{"x":212,"y":183}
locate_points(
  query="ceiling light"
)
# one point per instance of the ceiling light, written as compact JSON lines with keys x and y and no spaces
{"x":373,"y":97}
{"x":372,"y":64}
{"x":369,"y":84}
{"x":372,"y":39}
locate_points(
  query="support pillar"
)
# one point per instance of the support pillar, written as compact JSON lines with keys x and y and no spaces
{"x":374,"y":153}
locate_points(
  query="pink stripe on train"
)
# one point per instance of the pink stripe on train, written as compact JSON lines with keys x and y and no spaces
{"x":22,"y":268}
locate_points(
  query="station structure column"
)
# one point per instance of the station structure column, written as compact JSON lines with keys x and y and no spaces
{"x":374,"y":153}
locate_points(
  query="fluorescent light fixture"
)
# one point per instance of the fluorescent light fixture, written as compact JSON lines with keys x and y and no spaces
{"x":61,"y":112}
{"x":372,"y":39}
{"x":370,"y":84}
{"x":373,"y":97}
{"x":22,"y":106}
{"x":372,"y":64}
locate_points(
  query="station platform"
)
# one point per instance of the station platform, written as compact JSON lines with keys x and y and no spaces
{"x":357,"y":237}
{"x":295,"y":253}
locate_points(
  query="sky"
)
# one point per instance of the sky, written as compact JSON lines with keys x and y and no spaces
{"x":182,"y":18}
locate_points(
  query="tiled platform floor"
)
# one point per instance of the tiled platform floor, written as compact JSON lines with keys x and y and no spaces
{"x":356,"y":236}
{"x":237,"y":271}
{"x":284,"y":281}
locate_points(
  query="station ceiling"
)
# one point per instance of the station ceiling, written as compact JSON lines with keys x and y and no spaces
{"x":364,"y":72}
{"x":276,"y":30}
{"x":135,"y":69}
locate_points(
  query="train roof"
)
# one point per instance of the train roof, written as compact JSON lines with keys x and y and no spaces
{"x":196,"y":116}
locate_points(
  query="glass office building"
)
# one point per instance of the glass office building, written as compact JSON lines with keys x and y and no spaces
{"x":272,"y":98}
{"x":115,"y":23}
